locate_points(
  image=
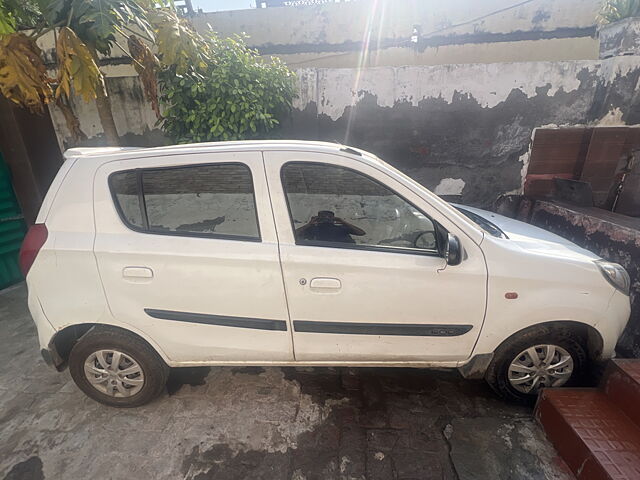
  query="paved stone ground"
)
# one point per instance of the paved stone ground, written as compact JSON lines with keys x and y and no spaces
{"x":255,"y":423}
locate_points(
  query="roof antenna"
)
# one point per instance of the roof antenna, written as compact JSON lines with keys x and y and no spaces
{"x":351,"y":151}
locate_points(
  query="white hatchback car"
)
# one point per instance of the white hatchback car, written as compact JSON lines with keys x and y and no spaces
{"x":300,"y":253}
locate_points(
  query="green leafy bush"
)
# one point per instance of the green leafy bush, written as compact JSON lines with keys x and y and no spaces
{"x":614,"y":10}
{"x":235,"y":95}
{"x":17,"y":15}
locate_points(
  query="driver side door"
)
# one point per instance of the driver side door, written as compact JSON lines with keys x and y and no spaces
{"x":380,"y":291}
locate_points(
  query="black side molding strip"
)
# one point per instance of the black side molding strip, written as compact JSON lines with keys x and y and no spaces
{"x":400,"y":329}
{"x":221,"y":320}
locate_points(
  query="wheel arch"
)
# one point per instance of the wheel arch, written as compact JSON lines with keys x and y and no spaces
{"x":64,"y":339}
{"x":590,"y":336}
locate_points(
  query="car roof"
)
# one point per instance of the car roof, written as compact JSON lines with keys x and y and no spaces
{"x":103,"y":154}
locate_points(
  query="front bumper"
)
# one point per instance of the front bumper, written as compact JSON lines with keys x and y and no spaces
{"x":613,"y":324}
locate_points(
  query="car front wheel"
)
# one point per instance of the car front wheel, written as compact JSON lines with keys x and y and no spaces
{"x":116,"y":368}
{"x":539,"y":358}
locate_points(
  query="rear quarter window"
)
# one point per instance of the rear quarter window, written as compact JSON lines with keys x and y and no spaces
{"x":203,"y":200}
{"x":125,"y":191}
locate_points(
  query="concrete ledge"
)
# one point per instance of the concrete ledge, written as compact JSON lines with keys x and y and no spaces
{"x":620,"y":38}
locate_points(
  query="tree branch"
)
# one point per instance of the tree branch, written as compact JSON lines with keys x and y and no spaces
{"x":144,"y":37}
{"x":128,"y":54}
{"x":35,"y":34}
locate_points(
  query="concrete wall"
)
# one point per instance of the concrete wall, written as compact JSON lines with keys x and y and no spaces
{"x":462,"y":129}
{"x":455,"y":31}
{"x":620,"y":38}
{"x":458,"y":129}
{"x":135,"y":120}
{"x":370,"y":33}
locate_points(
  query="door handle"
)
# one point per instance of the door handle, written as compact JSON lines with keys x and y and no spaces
{"x":137,"y":272}
{"x":324,"y":283}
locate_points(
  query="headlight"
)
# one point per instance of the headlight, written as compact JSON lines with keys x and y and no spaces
{"x":616,"y":275}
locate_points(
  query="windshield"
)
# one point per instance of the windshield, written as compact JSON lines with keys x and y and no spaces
{"x":491,"y":228}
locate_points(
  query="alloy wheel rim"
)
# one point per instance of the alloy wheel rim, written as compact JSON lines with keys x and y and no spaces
{"x":114,"y":373}
{"x":540,"y":366}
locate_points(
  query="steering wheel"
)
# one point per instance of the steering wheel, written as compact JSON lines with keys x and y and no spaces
{"x":426,"y":240}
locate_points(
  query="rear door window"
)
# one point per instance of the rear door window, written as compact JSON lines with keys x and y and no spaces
{"x":203,"y":200}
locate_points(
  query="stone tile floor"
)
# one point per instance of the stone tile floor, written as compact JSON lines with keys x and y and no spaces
{"x":260,"y":423}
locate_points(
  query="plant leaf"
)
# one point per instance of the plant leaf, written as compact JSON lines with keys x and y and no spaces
{"x":236,"y":95}
{"x":177,"y":43}
{"x":147,"y":66}
{"x":615,"y":10}
{"x":23,"y":75}
{"x":76,"y":67}
{"x":7,"y":21}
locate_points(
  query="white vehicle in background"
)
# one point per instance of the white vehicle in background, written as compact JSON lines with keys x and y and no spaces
{"x":299,"y":254}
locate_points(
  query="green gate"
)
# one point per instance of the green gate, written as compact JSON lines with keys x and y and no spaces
{"x":12,"y":230}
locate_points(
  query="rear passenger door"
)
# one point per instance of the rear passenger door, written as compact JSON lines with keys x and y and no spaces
{"x":187,"y":253}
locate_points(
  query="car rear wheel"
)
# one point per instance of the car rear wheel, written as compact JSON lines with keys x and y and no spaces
{"x":116,"y":368}
{"x":539,"y":358}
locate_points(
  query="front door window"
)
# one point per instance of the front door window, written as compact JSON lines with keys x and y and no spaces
{"x":338,"y":207}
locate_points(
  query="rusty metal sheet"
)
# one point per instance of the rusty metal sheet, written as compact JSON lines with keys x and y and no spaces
{"x":555,"y":153}
{"x":606,"y":150}
{"x":559,"y":150}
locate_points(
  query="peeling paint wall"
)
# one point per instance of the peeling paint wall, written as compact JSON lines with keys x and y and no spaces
{"x":456,"y":31}
{"x":450,"y":186}
{"x":472,"y":123}
{"x":462,"y":130}
{"x":373,"y":33}
{"x":620,"y":38}
{"x":134,"y":117}
{"x":465,"y":42}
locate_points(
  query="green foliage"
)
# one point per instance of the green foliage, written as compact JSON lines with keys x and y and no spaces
{"x":84,"y":29}
{"x":614,"y":10}
{"x":234,"y":95}
{"x":95,"y":22}
{"x":178,"y":44}
{"x":213,"y":88}
{"x":18,"y":14}
{"x":7,"y":21}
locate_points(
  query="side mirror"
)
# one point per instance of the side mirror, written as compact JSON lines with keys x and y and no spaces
{"x":453,"y":250}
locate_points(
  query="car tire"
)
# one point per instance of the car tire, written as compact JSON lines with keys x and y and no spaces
{"x":93,"y":369}
{"x":508,"y":373}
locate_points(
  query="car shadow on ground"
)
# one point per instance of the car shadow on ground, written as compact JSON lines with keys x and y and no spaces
{"x":192,"y":376}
